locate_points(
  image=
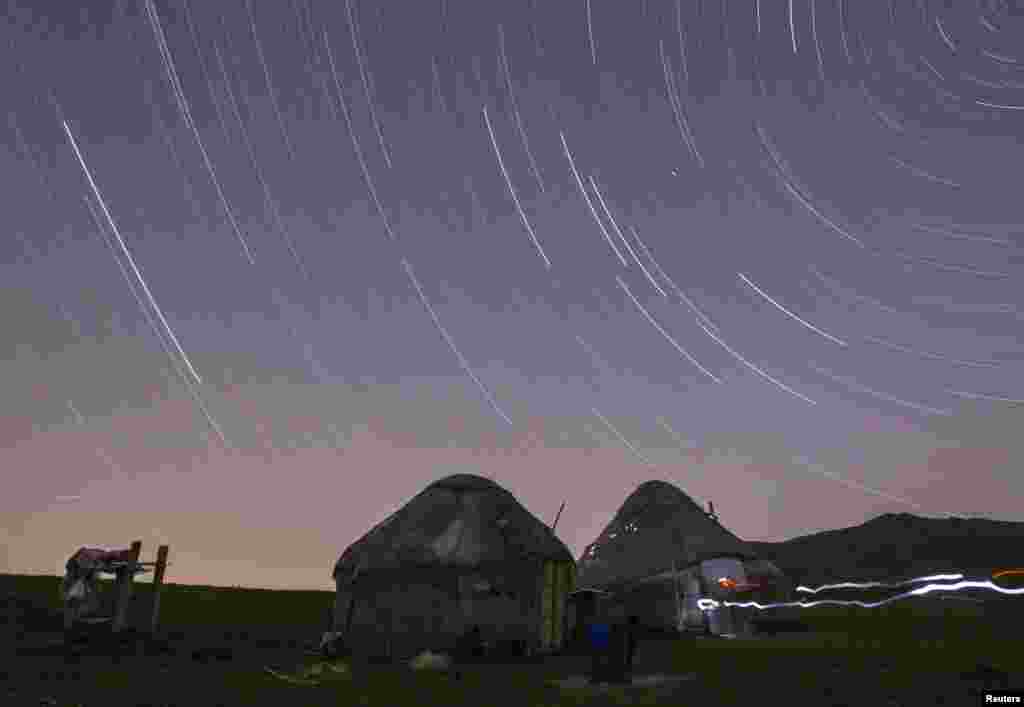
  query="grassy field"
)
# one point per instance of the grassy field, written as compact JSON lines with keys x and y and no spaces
{"x":218,"y":642}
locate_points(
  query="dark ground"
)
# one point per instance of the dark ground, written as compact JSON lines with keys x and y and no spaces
{"x":221,"y":664}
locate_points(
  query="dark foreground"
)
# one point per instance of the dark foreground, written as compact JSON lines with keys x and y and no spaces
{"x":217,"y":646}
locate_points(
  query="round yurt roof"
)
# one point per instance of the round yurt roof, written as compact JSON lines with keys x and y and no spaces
{"x":462,"y":522}
{"x":657,"y":527}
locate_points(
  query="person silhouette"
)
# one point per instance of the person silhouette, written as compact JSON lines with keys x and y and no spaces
{"x":632,"y":631}
{"x":599,"y":634}
{"x":472,"y":643}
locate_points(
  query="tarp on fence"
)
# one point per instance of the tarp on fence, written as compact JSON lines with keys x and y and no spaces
{"x":79,"y":590}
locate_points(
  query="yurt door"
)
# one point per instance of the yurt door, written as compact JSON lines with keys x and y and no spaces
{"x":722,"y":576}
{"x":693,"y":616}
{"x":557,"y":583}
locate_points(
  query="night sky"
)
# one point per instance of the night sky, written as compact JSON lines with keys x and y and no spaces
{"x":271,"y":267}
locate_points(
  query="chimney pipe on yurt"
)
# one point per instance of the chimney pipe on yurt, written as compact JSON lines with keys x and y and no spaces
{"x":557,"y":516}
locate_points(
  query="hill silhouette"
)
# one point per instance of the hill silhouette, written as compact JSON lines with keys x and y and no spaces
{"x":899,"y":545}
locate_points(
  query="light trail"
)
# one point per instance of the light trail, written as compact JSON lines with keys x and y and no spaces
{"x":879,"y":394}
{"x":677,"y":108}
{"x":512,"y":191}
{"x":1008,"y":573}
{"x":622,"y":438}
{"x":682,"y":41}
{"x":834,"y":285}
{"x":618,"y":232}
{"x":961,"y":236}
{"x":206,"y":75}
{"x":515,"y":109}
{"x":786,"y":177}
{"x":790,"y":314}
{"x":179,"y":94}
{"x":999,"y":106}
{"x":931,"y":67}
{"x":824,"y":219}
{"x":190,"y":385}
{"x":920,"y":591}
{"x":270,"y":83}
{"x":816,"y":468}
{"x":792,"y":27}
{"x":437,"y":84}
{"x":983,"y":396}
{"x":689,"y":357}
{"x":103,"y":455}
{"x":128,"y":255}
{"x":945,"y":37}
{"x":590,"y":35}
{"x":179,"y":164}
{"x":590,"y":204}
{"x":814,"y":36}
{"x":754,"y":368}
{"x":267,"y":196}
{"x":355,"y":141}
{"x":872,"y":585}
{"x":842,"y":32}
{"x":918,"y":172}
{"x":948,"y":267}
{"x":930,"y":355}
{"x":675,"y":288}
{"x":680,"y":440}
{"x":451,"y":343}
{"x":366,"y":83}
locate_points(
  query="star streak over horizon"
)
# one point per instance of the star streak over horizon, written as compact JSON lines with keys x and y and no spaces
{"x":566,"y":245}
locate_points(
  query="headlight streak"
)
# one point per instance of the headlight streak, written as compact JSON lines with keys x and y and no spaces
{"x":920,"y":591}
{"x":886,"y":585}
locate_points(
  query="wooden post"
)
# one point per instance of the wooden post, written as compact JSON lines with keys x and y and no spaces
{"x":158,"y":585}
{"x":675,"y":591}
{"x":69,"y":616}
{"x":124,"y":587}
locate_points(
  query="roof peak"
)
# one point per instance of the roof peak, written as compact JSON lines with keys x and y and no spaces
{"x":465,"y":481}
{"x":658,"y":486}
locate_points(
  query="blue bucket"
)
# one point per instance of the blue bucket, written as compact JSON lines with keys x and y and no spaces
{"x":600,"y":636}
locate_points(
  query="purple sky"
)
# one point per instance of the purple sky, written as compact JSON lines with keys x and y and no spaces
{"x":792,"y":286}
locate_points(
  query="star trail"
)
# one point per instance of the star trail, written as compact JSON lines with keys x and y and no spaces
{"x":788,"y":231}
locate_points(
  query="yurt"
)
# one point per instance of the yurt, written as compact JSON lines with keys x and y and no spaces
{"x":461,"y":553}
{"x":661,"y":554}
